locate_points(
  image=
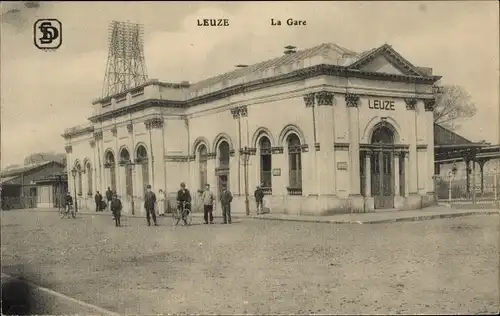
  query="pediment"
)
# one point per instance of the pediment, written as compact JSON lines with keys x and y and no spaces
{"x":383,"y":65}
{"x":385,"y":60}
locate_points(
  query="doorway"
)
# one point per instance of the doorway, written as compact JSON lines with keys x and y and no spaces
{"x":383,"y":179}
{"x":382,"y":167}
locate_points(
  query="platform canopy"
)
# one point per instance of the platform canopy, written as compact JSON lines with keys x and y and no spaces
{"x":451,"y":147}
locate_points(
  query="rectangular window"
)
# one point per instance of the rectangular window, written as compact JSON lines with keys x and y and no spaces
{"x":266,"y":171}
{"x":295,"y":172}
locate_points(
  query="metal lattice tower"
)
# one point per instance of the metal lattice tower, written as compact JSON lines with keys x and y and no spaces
{"x":126,"y":66}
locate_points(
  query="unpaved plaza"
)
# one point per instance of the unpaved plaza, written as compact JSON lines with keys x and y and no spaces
{"x":258,"y":266}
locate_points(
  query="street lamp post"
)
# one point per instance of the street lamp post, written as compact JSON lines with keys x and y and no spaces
{"x":245,"y":155}
{"x":73,"y":173}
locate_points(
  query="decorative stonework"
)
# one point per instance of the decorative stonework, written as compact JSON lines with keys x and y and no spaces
{"x":114,"y":131}
{"x":309,"y":100}
{"x":240,"y":111}
{"x":108,"y":164}
{"x":341,"y":146}
{"x":180,"y":158}
{"x":411,"y":103}
{"x":304,"y":148}
{"x":421,"y":147}
{"x":324,"y":98}
{"x":130,"y":127}
{"x":92,"y":143}
{"x":231,"y":153}
{"x":211,"y":155}
{"x":277,"y":150}
{"x":352,"y":100}
{"x":397,"y":154}
{"x":153,"y":123}
{"x":141,"y":160}
{"x":429,"y":104}
{"x":250,"y":150}
{"x":125,"y":162}
{"x":317,"y":146}
{"x":68,"y":148}
{"x":98,"y":135}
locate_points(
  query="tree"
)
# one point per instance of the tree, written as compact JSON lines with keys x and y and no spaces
{"x":452,"y":105}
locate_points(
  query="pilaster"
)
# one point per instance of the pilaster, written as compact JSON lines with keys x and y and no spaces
{"x":237,"y":164}
{"x":323,"y":149}
{"x":138,"y":188}
{"x":98,"y":144}
{"x":280,"y":179}
{"x":397,"y":190}
{"x":429,"y":106}
{"x":154,"y":127}
{"x":368,"y":174}
{"x":352,"y":102}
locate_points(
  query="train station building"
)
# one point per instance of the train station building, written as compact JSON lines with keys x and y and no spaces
{"x":325,"y":130}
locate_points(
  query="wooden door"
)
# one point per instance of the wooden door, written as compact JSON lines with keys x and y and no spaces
{"x":382,"y":180}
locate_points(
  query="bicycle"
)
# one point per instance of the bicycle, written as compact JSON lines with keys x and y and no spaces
{"x":68,"y":211}
{"x":180,"y":212}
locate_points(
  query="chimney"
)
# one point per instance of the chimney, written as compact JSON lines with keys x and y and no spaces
{"x":290,"y":50}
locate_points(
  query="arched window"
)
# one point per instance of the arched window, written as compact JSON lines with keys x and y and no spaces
{"x":202,"y":161}
{"x":265,"y":162}
{"x":125,"y":160}
{"x":88,"y":171}
{"x":224,"y":155}
{"x":142,"y":158}
{"x":124,"y":155}
{"x":294,"y":162}
{"x":383,"y":135}
{"x":110,"y":163}
{"x":80,"y":180}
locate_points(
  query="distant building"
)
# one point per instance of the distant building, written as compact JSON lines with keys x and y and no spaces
{"x":19,"y":187}
{"x":325,"y":130}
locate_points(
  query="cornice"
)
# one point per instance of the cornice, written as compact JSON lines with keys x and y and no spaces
{"x":297,"y":75}
{"x":78,"y":132}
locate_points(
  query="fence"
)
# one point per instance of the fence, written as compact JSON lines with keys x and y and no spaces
{"x":455,"y":189}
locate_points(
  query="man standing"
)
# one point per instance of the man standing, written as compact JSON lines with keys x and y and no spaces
{"x":208,"y":204}
{"x":149,"y":205}
{"x":225,"y":200}
{"x":98,"y":201}
{"x":259,"y":197}
{"x":116,"y":208}
{"x":109,"y":197}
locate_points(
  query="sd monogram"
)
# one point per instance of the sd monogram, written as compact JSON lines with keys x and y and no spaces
{"x":47,"y":34}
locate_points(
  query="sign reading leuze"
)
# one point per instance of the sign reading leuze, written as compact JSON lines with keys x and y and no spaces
{"x":381,"y":105}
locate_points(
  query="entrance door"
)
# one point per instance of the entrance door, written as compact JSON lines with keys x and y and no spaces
{"x":382,"y":180}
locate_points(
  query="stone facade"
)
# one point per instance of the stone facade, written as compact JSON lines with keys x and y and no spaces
{"x":305,"y":129}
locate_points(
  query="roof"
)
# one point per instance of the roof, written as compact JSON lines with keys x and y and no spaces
{"x":326,"y":49}
{"x":7,"y":179}
{"x":443,"y":137}
{"x":26,"y":168}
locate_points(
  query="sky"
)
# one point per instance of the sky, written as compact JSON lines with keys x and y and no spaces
{"x":42,"y":93}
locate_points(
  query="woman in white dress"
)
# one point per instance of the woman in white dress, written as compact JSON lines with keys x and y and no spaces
{"x":161,"y":203}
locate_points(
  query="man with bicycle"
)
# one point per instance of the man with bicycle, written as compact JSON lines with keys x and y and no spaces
{"x":184,"y":200}
{"x":68,"y":204}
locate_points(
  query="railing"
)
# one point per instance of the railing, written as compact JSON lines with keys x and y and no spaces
{"x":455,"y":189}
{"x":294,"y":191}
{"x":267,"y":190}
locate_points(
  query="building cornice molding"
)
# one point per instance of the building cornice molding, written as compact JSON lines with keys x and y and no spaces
{"x":297,"y":75}
{"x":341,"y":146}
{"x":179,"y":158}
